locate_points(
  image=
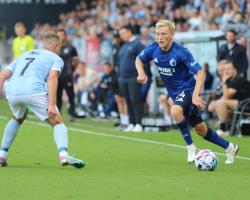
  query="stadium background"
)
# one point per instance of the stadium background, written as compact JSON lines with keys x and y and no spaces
{"x":97,"y":48}
{"x":32,"y":12}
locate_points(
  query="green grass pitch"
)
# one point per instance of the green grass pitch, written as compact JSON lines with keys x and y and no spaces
{"x":120,"y":166}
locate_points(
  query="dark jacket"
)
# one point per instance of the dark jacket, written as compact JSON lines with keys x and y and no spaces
{"x":237,"y":54}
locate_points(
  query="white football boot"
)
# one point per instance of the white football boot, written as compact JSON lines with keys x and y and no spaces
{"x":192,"y":151}
{"x":70,"y":160}
{"x":231,"y":152}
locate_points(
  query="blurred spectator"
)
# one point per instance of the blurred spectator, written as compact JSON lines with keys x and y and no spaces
{"x":128,"y":77}
{"x":22,"y":42}
{"x":65,"y":81}
{"x":165,"y":103}
{"x":234,"y":90}
{"x":236,"y":23}
{"x":218,"y":87}
{"x":209,"y":77}
{"x":87,"y":79}
{"x":102,"y":97}
{"x":235,"y":52}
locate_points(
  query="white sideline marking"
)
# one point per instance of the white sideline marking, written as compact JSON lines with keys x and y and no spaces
{"x":121,"y":137}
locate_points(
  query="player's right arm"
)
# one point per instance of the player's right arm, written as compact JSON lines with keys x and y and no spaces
{"x":143,"y":57}
{"x":142,"y":77}
{"x":4,"y":75}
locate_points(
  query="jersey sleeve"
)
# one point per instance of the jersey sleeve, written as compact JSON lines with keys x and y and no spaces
{"x":12,"y":66}
{"x":146,"y":55}
{"x":58,"y":65}
{"x":189,"y":61}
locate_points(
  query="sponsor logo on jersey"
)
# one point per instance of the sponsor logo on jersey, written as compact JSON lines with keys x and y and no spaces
{"x":166,"y":71}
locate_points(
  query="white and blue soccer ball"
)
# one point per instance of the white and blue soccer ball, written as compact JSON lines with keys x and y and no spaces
{"x":206,"y":160}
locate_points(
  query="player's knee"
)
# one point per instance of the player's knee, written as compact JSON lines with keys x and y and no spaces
{"x":220,"y":103}
{"x":57,"y":120}
{"x":211,"y":107}
{"x":176,"y":111}
{"x":201,"y":129}
{"x":20,"y":120}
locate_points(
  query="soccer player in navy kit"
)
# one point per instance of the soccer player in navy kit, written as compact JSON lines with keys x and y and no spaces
{"x":177,"y":69}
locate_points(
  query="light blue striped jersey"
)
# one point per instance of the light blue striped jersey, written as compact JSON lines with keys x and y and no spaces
{"x":30,"y":72}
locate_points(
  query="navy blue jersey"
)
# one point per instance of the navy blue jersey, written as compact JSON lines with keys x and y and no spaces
{"x":176,"y":67}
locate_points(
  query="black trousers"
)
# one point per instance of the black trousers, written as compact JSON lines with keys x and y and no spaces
{"x":66,"y":83}
{"x":131,"y":90}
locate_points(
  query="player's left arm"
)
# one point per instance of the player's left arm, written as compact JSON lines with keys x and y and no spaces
{"x":52,"y":92}
{"x":200,"y":78}
{"x":52,"y":82}
{"x":4,"y":75}
{"x":196,"y":99}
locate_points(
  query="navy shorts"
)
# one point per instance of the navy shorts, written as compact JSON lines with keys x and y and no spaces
{"x":191,"y":111}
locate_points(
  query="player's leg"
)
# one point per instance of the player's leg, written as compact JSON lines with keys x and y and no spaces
{"x":61,"y":140}
{"x":39,"y":105}
{"x":211,"y":135}
{"x":11,"y":129}
{"x":179,"y":111}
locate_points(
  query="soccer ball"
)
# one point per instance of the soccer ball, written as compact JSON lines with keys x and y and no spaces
{"x":206,"y":160}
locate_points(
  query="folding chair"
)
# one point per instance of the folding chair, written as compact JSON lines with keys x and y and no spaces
{"x":241,"y":116}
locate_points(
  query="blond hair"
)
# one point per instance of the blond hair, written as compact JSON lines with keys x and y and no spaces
{"x":167,"y":23}
{"x":50,"y":37}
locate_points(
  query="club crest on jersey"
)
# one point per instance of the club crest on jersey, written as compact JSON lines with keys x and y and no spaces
{"x":172,"y":62}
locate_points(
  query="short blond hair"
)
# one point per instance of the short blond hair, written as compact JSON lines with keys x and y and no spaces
{"x":50,"y":37}
{"x":168,"y":23}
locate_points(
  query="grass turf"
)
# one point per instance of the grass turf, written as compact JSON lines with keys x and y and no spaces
{"x":120,"y":165}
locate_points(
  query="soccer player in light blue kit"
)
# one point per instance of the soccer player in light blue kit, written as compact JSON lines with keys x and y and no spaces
{"x":177,"y":69}
{"x":32,"y":83}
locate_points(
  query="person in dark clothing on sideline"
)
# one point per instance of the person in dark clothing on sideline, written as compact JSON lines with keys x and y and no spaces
{"x":130,"y":89}
{"x":235,"y":90}
{"x":70,"y":57}
{"x":208,"y":84}
{"x":120,"y":101}
{"x":235,"y":52}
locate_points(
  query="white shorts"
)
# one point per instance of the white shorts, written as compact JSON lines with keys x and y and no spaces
{"x":37,"y":103}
